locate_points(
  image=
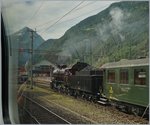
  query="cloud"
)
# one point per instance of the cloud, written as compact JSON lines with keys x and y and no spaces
{"x":117,"y":17}
{"x":118,"y":21}
{"x":115,"y":26}
{"x":29,"y":2}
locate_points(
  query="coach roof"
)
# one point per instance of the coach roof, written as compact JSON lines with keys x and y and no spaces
{"x":127,"y":63}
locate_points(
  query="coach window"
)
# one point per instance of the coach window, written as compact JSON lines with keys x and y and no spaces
{"x":111,"y":76}
{"x":124,"y":76}
{"x":140,"y":76}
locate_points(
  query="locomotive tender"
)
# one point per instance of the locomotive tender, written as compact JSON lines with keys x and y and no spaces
{"x":86,"y":83}
{"x":124,"y":84}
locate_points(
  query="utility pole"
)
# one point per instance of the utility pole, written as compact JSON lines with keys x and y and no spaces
{"x":31,"y":62}
{"x":130,"y":51}
{"x":91,"y":54}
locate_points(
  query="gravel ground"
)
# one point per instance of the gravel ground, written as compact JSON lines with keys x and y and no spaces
{"x":82,"y":111}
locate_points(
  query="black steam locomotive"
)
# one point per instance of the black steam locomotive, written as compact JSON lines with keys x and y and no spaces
{"x":81,"y":80}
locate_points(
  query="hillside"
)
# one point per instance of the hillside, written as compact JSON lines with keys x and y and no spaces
{"x":120,"y":31}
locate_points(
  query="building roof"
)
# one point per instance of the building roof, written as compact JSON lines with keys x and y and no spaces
{"x":46,"y":63}
{"x":127,"y":63}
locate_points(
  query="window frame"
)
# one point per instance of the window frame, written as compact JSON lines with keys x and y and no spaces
{"x":139,"y":70}
{"x":5,"y":83}
{"x":111,"y":70}
{"x":125,"y":71}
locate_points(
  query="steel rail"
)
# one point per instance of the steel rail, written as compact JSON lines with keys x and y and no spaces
{"x":33,"y":117}
{"x":46,"y":109}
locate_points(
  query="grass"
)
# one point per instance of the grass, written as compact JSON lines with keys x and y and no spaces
{"x":100,"y":114}
{"x":81,"y":107}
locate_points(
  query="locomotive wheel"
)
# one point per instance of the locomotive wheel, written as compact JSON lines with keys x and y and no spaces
{"x":90,"y":98}
{"x":83,"y":96}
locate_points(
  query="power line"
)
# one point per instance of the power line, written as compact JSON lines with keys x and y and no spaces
{"x":40,"y":25}
{"x":28,"y":50}
{"x":35,"y":12}
{"x":63,"y":16}
{"x":58,"y":17}
{"x":75,"y":17}
{"x":85,"y":5}
{"x":81,"y":15}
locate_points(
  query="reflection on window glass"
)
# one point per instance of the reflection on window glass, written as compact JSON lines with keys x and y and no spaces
{"x":62,"y":50}
{"x":140,"y":76}
{"x":124,"y":76}
{"x":111,"y":76}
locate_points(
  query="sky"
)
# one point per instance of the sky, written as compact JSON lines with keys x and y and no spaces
{"x":51,"y":19}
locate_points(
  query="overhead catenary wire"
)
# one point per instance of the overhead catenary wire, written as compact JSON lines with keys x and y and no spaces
{"x":36,"y":12}
{"x":63,"y":16}
{"x":47,"y":22}
{"x":75,"y":17}
{"x":40,"y":25}
{"x":85,"y":5}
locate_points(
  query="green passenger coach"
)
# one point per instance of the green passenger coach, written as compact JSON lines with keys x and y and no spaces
{"x":126,"y":85}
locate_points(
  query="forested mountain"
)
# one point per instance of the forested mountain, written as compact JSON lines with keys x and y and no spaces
{"x":118,"y":32}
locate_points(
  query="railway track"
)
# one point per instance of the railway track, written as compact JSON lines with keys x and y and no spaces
{"x":74,"y":116}
{"x":120,"y":117}
{"x":42,"y":115}
{"x":43,"y":84}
